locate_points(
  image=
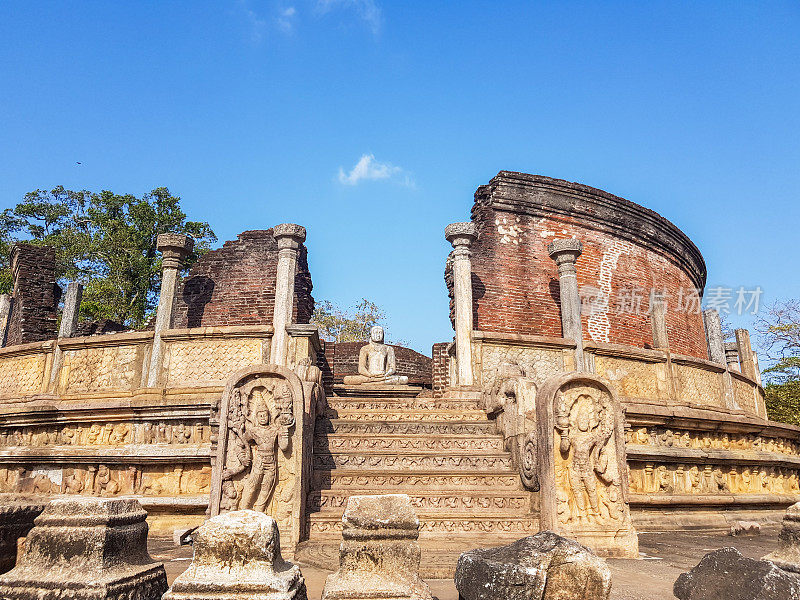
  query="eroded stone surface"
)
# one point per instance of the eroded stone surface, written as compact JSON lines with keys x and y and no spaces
{"x":16,"y":520}
{"x":725,"y":573}
{"x":86,"y":548}
{"x":544,"y":566}
{"x":787,"y":557}
{"x":745,"y":528}
{"x":237,"y":555}
{"x":379,"y":556}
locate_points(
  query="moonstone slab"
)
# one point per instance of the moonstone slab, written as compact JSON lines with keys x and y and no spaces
{"x":787,"y":557}
{"x":726,"y":574}
{"x":379,"y":556}
{"x":86,"y":549}
{"x":237,"y":556}
{"x":544,"y":566}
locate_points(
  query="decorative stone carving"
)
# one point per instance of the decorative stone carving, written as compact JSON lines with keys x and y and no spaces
{"x":787,"y":557}
{"x":238,"y":555}
{"x":582,"y":469}
{"x":86,"y":548}
{"x":544,"y":566}
{"x":262,"y":457}
{"x":376,"y":363}
{"x":379,"y":555}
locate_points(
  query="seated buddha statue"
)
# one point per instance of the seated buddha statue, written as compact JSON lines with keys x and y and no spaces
{"x":376,"y":363}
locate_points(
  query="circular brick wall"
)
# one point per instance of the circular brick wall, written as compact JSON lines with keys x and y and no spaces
{"x":628,"y":251}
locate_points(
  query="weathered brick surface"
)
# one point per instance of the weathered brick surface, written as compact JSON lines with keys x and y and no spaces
{"x":440,"y":374}
{"x":340,"y":359}
{"x":235,"y":285}
{"x":35,"y":297}
{"x":627,"y":248}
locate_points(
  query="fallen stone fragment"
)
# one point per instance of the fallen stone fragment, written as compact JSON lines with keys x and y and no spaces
{"x":237,"y":556}
{"x":86,"y":549}
{"x":745,"y":528}
{"x":16,"y":521}
{"x":379,"y":555}
{"x":725,"y":573}
{"x":544,"y":566}
{"x":787,"y":557}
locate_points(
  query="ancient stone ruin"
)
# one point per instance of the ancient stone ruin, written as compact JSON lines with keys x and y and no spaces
{"x":86,"y":549}
{"x":584,"y":390}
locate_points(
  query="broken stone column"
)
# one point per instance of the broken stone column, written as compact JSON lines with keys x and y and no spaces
{"x":461,"y":236}
{"x":787,"y":557}
{"x":69,"y":323}
{"x":174,"y":248}
{"x":565,"y":253}
{"x":379,"y":556}
{"x":87,"y":549}
{"x":544,"y":566}
{"x":658,"y":320}
{"x":36,"y":294}
{"x":726,"y":574}
{"x":289,"y":237}
{"x":746,"y":360}
{"x":16,"y":520}
{"x":732,"y":356}
{"x":714,"y":337}
{"x":237,"y":555}
{"x":5,"y":315}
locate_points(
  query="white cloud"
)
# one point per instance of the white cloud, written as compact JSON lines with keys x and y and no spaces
{"x":285,"y":19}
{"x":367,"y":10}
{"x":255,"y":22}
{"x":367,"y":168}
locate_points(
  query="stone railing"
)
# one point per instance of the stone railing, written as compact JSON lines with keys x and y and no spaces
{"x":90,"y":425}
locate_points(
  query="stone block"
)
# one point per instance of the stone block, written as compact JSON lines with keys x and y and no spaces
{"x":725,"y":573}
{"x":86,"y":549}
{"x":379,"y":555}
{"x":544,"y":566}
{"x":16,"y":520}
{"x":745,"y":528}
{"x":787,"y":557}
{"x":237,"y":555}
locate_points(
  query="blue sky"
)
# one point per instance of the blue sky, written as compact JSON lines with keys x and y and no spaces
{"x":372,"y":122}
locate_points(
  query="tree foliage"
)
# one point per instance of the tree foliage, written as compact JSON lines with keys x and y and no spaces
{"x":779,"y":333}
{"x":346,"y":325}
{"x":105,"y":240}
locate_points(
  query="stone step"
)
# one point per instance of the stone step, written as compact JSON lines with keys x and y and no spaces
{"x":477,"y":461}
{"x":395,"y":404}
{"x":420,"y":427}
{"x":392,"y":481}
{"x":465,"y":503}
{"x":405,"y":415}
{"x":354,"y":442}
{"x":328,"y":525}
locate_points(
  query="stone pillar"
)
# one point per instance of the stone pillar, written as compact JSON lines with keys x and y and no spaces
{"x":658,"y":319}
{"x":289,"y":237}
{"x":461,"y":236}
{"x":379,"y":555}
{"x":746,"y":360}
{"x":732,"y":356}
{"x":87,"y":548}
{"x":174,"y":248}
{"x":5,"y":316}
{"x":566,"y":253}
{"x":714,"y":337}
{"x":236,"y":556}
{"x":69,"y":322}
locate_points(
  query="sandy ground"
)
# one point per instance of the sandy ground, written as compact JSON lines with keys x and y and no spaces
{"x":665,"y":555}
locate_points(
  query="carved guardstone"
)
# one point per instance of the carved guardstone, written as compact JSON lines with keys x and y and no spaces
{"x":238,"y":555}
{"x":582,"y":469}
{"x":379,"y":556}
{"x":544,"y":566}
{"x":787,"y":557}
{"x":86,"y":548}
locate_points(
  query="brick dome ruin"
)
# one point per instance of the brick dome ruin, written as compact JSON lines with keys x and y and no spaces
{"x":584,"y":390}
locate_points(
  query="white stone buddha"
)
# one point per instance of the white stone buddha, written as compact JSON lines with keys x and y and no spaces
{"x":376,"y":363}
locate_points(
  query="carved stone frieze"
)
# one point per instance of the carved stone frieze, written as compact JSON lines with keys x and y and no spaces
{"x":405,"y":444}
{"x":466,"y":501}
{"x":436,"y":526}
{"x":434,"y":481}
{"x":420,"y":461}
{"x":705,"y":479}
{"x":710,"y":440}
{"x":190,"y":363}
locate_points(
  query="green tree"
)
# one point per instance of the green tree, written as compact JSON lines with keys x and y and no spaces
{"x":346,"y":325}
{"x":779,"y":335}
{"x":107,"y":241}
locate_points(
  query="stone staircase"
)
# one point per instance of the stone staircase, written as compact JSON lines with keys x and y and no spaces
{"x":443,"y":452}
